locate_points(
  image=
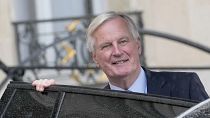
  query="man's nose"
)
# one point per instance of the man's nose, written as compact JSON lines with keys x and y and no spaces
{"x":116,"y":50}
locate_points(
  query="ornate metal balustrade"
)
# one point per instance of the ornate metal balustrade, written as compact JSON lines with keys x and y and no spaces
{"x":56,"y":48}
{"x":56,"y":42}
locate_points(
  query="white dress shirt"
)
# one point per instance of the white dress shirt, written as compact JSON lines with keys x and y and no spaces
{"x":139,"y":86}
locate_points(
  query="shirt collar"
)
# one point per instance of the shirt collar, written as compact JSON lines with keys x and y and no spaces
{"x":139,"y":86}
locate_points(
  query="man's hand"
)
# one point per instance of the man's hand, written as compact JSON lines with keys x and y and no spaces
{"x":42,"y":84}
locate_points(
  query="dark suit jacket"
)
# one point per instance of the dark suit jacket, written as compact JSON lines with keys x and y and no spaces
{"x":183,"y":85}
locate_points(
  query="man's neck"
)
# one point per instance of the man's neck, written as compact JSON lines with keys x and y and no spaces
{"x":126,"y":81}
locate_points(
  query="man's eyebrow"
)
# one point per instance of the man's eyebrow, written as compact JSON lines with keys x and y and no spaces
{"x":104,"y":43}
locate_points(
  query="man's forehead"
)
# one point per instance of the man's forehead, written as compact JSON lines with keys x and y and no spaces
{"x":108,"y":21}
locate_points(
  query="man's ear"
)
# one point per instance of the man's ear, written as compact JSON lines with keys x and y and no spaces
{"x":94,"y":57}
{"x":139,"y":46}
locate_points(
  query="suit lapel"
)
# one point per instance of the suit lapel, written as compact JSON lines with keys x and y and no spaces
{"x":156,"y":83}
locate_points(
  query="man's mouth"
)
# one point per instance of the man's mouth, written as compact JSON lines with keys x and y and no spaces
{"x":120,"y":62}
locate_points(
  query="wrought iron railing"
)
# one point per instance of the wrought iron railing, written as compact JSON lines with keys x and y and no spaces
{"x":46,"y":48}
{"x":64,"y":41}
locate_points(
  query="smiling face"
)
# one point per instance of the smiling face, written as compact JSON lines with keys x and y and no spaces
{"x":115,"y":50}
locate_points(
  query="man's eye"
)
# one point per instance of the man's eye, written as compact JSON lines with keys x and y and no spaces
{"x":123,"y":42}
{"x":105,"y":46}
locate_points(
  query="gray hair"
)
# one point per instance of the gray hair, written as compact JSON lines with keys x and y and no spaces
{"x":99,"y":20}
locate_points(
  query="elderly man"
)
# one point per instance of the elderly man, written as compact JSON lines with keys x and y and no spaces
{"x":114,"y":42}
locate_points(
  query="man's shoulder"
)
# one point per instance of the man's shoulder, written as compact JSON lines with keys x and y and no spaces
{"x":172,"y":75}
